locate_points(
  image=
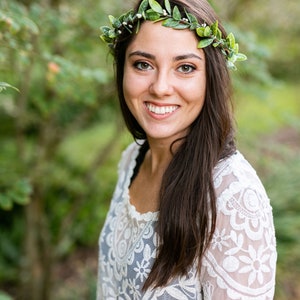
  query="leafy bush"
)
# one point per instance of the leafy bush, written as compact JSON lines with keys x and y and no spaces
{"x":53,"y":56}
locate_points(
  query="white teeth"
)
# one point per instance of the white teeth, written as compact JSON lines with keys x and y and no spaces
{"x":161,"y":110}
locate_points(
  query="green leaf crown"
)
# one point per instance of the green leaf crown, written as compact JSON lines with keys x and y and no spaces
{"x":151,"y":10}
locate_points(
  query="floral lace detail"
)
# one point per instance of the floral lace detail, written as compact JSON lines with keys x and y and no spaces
{"x":239,"y":264}
{"x":241,"y":260}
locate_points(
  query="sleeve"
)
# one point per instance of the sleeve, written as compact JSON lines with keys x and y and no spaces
{"x":241,"y":260}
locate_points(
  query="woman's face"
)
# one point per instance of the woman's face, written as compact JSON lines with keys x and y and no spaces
{"x":164,"y":80}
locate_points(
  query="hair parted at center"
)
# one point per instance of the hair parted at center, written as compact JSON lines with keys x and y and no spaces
{"x":187,"y":210}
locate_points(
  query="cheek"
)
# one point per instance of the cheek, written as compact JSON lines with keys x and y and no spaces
{"x":134,"y":87}
{"x":131,"y":92}
{"x":129,"y":82}
{"x":195,"y":92}
{"x":127,"y":88}
{"x":125,"y":81}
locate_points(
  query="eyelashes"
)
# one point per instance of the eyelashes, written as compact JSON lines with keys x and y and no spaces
{"x":186,"y":68}
{"x":142,"y":65}
{"x":145,"y":66}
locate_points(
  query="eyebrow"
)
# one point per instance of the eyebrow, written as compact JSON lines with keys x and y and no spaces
{"x":187,"y":56}
{"x":143,"y":54}
{"x":177,"y":58}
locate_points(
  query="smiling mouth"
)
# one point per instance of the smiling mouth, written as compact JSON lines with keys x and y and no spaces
{"x":161,"y":110}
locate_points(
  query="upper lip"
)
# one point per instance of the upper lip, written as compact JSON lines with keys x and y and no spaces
{"x":160,"y":104}
{"x":161,"y":109}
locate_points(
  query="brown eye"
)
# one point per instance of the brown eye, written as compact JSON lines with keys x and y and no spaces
{"x":186,"y":69}
{"x":143,"y":66}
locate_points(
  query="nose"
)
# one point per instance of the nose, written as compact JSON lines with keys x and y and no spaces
{"x":161,"y":84}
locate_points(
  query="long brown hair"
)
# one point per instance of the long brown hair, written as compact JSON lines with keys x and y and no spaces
{"x":187,"y":208}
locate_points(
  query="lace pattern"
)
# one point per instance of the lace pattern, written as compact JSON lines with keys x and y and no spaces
{"x":239,"y":264}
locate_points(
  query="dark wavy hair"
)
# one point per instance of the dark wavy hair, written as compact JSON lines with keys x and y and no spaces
{"x":187,"y":208}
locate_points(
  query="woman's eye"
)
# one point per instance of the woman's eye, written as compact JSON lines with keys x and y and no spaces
{"x":186,"y":69}
{"x":141,"y":65}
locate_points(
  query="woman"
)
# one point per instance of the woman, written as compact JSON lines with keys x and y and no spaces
{"x":189,"y":218}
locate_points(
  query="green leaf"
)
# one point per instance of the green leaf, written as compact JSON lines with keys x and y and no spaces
{"x":4,"y":296}
{"x":194,"y":26}
{"x":219,"y":34}
{"x":170,"y":23}
{"x":241,"y":57}
{"x":125,"y":17}
{"x":192,"y":19}
{"x":4,"y":86}
{"x":160,"y":19}
{"x":175,"y":24}
{"x":114,"y":22}
{"x":105,"y":29}
{"x":31,"y":26}
{"x":152,"y":15}
{"x":138,"y":25}
{"x":111,"y":19}
{"x":181,"y":26}
{"x":112,"y":34}
{"x":22,"y":199}
{"x":168,"y":7}
{"x":231,"y":65}
{"x":236,"y":48}
{"x":23,"y":187}
{"x":143,"y":6}
{"x":20,"y":192}
{"x":156,"y":6}
{"x":231,"y":40}
{"x":200,"y":31}
{"x":5,"y":202}
{"x":176,"y":14}
{"x":214,"y":28}
{"x":205,"y":42}
{"x":104,"y":38}
{"x":207,"y":31}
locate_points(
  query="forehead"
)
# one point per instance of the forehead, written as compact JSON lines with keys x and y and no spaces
{"x":153,"y":37}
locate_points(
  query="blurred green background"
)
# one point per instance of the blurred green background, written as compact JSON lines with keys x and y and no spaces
{"x":61,"y":136}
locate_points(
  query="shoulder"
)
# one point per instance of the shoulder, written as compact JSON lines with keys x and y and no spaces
{"x":238,"y":186}
{"x":242,"y":202}
{"x":128,"y":156}
{"x":241,"y":259}
{"x":126,"y":166}
{"x":235,"y":168}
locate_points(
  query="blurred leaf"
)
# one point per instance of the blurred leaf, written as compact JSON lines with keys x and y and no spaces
{"x":5,"y":202}
{"x":4,"y":86}
{"x":4,"y":296}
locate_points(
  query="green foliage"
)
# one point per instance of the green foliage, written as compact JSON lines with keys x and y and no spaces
{"x":4,"y":296}
{"x":5,"y":85}
{"x":270,"y":108}
{"x":51,"y":54}
{"x":11,"y":243}
{"x":269,"y":133}
{"x":282,"y":183}
{"x":18,"y":192}
{"x":153,"y":11}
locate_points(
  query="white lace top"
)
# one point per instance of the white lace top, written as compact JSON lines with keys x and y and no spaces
{"x":239,"y":264}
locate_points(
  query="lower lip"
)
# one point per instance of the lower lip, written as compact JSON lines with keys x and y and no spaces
{"x":160,"y":116}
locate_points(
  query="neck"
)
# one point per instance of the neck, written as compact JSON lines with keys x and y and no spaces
{"x":159,"y":156}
